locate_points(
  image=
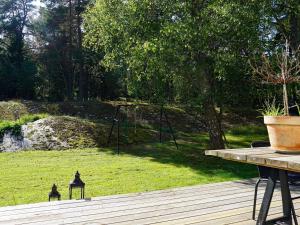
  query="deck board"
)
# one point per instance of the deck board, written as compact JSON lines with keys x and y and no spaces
{"x":220,"y":203}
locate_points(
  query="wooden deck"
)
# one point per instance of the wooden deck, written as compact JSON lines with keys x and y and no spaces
{"x":215,"y":204}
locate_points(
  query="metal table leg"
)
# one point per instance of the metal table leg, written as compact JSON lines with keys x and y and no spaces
{"x":286,"y":219}
{"x":286,"y":196}
{"x":265,"y":206}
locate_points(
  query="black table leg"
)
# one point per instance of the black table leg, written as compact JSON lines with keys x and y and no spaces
{"x":286,"y":196}
{"x":265,"y":206}
{"x":286,"y":219}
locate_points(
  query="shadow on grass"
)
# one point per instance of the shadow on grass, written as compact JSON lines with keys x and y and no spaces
{"x":190,"y":155}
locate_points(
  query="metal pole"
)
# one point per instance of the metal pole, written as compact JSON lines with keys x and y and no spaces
{"x":170,"y":127}
{"x":160,"y":124}
{"x":118,"y":137}
{"x":113,"y":124}
{"x":70,"y":193}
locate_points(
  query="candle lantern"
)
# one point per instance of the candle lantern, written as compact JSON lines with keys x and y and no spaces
{"x":77,"y":183}
{"x":54,"y":193}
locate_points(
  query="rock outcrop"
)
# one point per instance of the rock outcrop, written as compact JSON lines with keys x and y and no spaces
{"x":54,"y":133}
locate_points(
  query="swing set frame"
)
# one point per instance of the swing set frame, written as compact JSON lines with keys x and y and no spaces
{"x":116,"y":122}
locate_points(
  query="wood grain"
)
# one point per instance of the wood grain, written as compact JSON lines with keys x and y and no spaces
{"x":215,"y":204}
{"x":265,"y":156}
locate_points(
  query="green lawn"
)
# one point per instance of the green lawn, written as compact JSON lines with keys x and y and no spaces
{"x":27,"y":177}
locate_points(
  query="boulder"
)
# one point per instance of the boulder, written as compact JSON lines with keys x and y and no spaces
{"x":54,"y":133}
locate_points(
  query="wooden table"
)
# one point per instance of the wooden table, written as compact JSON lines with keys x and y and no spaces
{"x":279,"y":164}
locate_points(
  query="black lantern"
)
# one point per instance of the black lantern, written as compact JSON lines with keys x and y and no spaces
{"x":54,"y":193}
{"x":77,"y":183}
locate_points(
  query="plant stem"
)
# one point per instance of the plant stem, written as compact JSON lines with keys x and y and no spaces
{"x":284,"y":72}
{"x":285,"y":101}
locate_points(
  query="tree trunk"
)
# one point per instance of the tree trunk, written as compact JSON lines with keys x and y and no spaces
{"x":205,"y":65}
{"x":213,"y":125}
{"x":212,"y":120}
{"x":83,"y":95}
{"x":70,"y":74}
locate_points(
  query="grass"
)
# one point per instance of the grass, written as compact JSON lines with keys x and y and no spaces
{"x":27,"y":177}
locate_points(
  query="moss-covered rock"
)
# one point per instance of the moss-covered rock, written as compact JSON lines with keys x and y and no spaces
{"x":55,"y":133}
{"x":78,"y":132}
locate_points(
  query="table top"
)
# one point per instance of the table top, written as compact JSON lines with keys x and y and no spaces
{"x":265,"y":156}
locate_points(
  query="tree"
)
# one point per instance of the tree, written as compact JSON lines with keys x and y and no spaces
{"x":281,"y":68}
{"x":279,"y":22}
{"x":83,"y":81}
{"x":16,"y":69}
{"x":62,"y":58}
{"x":183,"y":44}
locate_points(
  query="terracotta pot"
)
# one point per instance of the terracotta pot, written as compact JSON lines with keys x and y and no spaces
{"x":284,"y":132}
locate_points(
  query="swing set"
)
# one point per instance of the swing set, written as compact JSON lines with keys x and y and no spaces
{"x":117,"y":119}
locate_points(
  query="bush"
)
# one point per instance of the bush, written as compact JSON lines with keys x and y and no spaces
{"x":15,"y":126}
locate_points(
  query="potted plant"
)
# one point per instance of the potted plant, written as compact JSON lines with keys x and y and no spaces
{"x":281,"y":68}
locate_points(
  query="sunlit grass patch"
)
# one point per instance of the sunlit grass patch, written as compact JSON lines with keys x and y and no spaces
{"x":27,"y":176}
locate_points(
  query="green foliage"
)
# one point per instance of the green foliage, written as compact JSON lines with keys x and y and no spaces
{"x":17,"y":67}
{"x":15,"y":126}
{"x":31,"y":118}
{"x":171,"y":50}
{"x":165,"y":48}
{"x":62,"y":60}
{"x":154,"y":50}
{"x":271,"y":109}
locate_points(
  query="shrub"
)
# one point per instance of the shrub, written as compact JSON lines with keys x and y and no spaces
{"x":15,"y":126}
